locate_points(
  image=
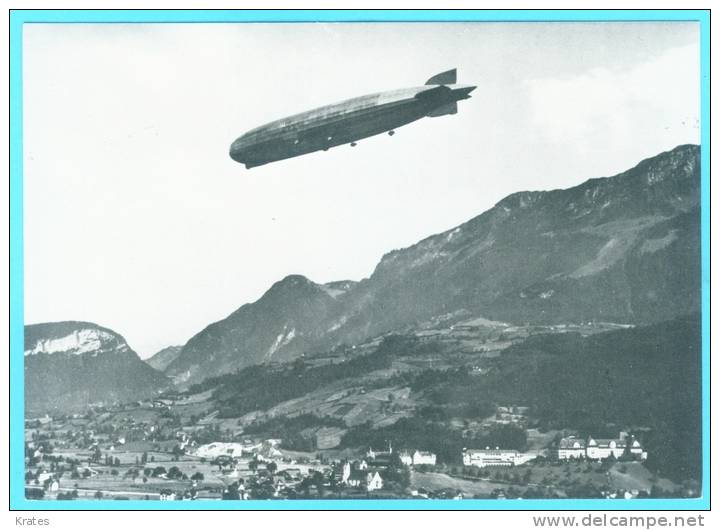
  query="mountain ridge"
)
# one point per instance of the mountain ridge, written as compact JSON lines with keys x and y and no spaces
{"x":70,"y":365}
{"x":623,"y":248}
{"x":163,"y":357}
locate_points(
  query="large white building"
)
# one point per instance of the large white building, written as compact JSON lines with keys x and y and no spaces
{"x":216,"y":449}
{"x":418,"y":458}
{"x":264,"y":450}
{"x":600,"y":448}
{"x":495,"y":457}
{"x":424,"y":458}
{"x":570,"y":448}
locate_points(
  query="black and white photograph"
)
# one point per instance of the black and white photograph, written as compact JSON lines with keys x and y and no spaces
{"x":362,"y":261}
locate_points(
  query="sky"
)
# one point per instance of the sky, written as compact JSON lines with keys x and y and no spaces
{"x":136,"y":218}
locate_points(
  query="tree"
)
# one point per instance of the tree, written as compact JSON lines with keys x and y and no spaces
{"x":271,"y":467}
{"x":174,"y":473}
{"x":232,"y":493}
{"x":98,"y":494}
{"x":198,"y":476}
{"x":177,"y":452}
{"x":657,"y":492}
{"x":34,"y":493}
{"x":62,"y":496}
{"x":608,"y":462}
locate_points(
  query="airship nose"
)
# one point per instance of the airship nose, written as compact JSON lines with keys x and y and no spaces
{"x":237,"y":149}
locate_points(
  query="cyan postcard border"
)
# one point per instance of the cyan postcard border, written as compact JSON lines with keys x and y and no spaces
{"x":16,"y":357}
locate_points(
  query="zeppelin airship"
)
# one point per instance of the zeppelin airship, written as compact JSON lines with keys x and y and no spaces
{"x":349,"y":121}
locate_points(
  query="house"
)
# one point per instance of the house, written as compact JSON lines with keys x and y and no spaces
{"x":51,"y":484}
{"x":356,"y":478}
{"x":373,"y":481}
{"x":369,"y":480}
{"x":424,"y":458}
{"x":506,"y":415}
{"x":167,"y":495}
{"x":372,"y":453}
{"x":380,"y":462}
{"x":43,"y":477}
{"x":417,"y":458}
{"x":345,"y":473}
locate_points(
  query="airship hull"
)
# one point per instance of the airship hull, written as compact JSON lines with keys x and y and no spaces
{"x":344,"y":122}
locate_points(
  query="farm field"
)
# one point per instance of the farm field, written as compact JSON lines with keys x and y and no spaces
{"x":438,"y":481}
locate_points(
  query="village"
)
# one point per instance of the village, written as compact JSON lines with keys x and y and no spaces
{"x":79,"y":456}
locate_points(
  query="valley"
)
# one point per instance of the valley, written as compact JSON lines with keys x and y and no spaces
{"x":549,"y":347}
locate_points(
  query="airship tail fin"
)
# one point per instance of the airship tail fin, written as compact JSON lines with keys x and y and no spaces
{"x":450,"y":108}
{"x":444,"y":78}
